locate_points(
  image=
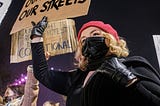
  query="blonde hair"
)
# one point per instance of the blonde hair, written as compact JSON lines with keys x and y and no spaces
{"x":118,"y":48}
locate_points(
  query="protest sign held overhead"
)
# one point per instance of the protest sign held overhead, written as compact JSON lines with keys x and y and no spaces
{"x":53,"y":9}
{"x":59,"y":38}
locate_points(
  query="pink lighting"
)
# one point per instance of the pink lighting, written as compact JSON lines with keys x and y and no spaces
{"x":25,"y":77}
{"x":20,"y":80}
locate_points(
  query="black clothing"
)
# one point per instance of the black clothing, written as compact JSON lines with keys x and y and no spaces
{"x":100,"y":90}
{"x":94,"y":48}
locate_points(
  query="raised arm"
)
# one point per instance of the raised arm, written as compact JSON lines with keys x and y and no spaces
{"x":31,"y":90}
{"x":54,"y":80}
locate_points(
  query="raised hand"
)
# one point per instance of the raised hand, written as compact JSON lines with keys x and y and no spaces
{"x":39,"y":28}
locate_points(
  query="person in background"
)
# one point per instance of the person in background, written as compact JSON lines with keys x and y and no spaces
{"x":14,"y":94}
{"x":105,"y":73}
{"x":23,"y":95}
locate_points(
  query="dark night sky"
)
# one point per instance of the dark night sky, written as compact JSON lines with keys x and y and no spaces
{"x":135,"y":20}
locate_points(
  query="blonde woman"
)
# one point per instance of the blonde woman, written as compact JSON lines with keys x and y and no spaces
{"x":104,"y":74}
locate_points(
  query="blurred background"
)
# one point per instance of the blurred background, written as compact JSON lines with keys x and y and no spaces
{"x":136,"y":21}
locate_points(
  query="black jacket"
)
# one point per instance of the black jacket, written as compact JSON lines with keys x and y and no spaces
{"x":99,"y":90}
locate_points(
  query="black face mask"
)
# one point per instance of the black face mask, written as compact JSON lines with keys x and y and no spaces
{"x":94,"y":48}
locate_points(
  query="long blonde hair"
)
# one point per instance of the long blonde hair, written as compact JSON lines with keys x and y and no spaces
{"x":117,"y":48}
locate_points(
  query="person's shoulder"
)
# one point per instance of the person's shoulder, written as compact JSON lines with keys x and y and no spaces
{"x":137,"y":61}
{"x":141,"y":66}
{"x":136,"y":58}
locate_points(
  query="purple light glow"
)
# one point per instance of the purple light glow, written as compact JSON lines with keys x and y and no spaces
{"x":52,"y":68}
{"x":20,"y":80}
{"x":25,"y":77}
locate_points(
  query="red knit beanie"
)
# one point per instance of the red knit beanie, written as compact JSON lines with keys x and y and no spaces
{"x":99,"y":24}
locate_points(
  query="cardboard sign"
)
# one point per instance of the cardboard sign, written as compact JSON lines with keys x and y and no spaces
{"x":34,"y":10}
{"x":4,"y":5}
{"x":156,"y":39}
{"x":59,"y":38}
